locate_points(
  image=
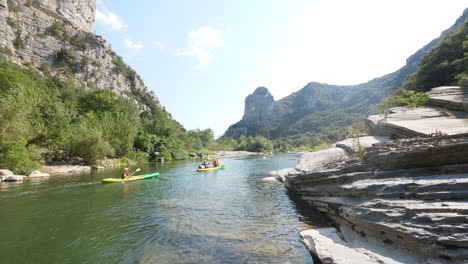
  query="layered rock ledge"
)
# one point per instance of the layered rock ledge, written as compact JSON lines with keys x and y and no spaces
{"x":408,"y":196}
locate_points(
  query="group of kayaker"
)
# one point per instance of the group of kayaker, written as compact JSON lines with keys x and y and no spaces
{"x":206,"y":165}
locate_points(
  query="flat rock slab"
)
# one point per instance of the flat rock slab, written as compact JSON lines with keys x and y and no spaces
{"x":330,"y":248}
{"x":313,"y":161}
{"x":450,"y":97}
{"x":352,"y":144}
{"x":421,"y":121}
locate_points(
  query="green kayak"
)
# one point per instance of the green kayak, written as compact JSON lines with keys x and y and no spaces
{"x":133,"y":178}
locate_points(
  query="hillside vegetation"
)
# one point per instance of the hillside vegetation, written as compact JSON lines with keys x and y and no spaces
{"x":321,"y":113}
{"x":44,"y":119}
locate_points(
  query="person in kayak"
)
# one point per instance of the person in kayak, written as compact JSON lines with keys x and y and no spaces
{"x":215,"y":163}
{"x":126,"y":174}
{"x":204,"y":165}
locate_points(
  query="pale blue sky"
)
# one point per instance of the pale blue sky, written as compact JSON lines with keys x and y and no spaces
{"x":203,"y":57}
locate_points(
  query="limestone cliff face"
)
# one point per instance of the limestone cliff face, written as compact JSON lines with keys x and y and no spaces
{"x":57,"y":37}
{"x":79,"y":13}
{"x":260,"y":108}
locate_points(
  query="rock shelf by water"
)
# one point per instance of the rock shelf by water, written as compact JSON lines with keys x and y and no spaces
{"x":408,"y":194}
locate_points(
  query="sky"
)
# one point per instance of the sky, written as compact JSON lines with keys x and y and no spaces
{"x":202,"y":58}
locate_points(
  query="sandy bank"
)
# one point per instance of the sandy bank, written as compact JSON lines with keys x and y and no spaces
{"x":234,"y":153}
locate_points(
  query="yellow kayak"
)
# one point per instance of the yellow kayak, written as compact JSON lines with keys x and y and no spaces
{"x":211,"y":169}
{"x":134,"y":178}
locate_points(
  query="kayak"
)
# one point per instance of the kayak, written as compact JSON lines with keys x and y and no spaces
{"x":211,"y":169}
{"x":133,"y":178}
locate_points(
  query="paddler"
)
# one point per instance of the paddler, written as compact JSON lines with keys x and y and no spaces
{"x":126,"y":174}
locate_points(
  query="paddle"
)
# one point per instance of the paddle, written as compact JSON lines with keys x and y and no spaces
{"x":137,"y":170}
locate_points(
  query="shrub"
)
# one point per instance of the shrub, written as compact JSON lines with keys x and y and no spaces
{"x":18,"y":42}
{"x":6,"y":51}
{"x":13,"y":23}
{"x":403,"y":97}
{"x":12,"y":7}
{"x":88,"y":144}
{"x":179,"y":154}
{"x":120,"y":66}
{"x":56,"y":30}
{"x":44,"y":67}
{"x":80,"y":40}
{"x":65,"y":57}
{"x":16,"y":156}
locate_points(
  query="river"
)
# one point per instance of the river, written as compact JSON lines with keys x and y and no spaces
{"x":224,"y":216}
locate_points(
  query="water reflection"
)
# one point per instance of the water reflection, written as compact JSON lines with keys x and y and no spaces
{"x":224,"y":216}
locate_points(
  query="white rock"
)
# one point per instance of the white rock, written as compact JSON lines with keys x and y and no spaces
{"x":280,"y":175}
{"x":313,"y":161}
{"x":14,"y":178}
{"x":6,"y":173}
{"x":38,"y":174}
{"x":330,"y":248}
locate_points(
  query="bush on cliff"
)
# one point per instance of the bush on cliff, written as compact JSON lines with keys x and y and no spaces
{"x":402,"y":97}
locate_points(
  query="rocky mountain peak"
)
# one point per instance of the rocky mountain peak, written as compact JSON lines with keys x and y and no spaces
{"x":260,"y":106}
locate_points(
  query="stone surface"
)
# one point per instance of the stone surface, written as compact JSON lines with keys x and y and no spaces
{"x":409,"y":195}
{"x":352,"y":144}
{"x":330,"y":248}
{"x":79,"y":13}
{"x":13,"y":178}
{"x":318,"y":160}
{"x":38,"y":174}
{"x":406,"y":122}
{"x":6,"y":173}
{"x":450,"y":97}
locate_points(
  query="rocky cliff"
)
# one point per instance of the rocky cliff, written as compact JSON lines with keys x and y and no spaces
{"x":321,"y":108}
{"x":399,"y":201}
{"x":260,"y":108}
{"x":57,"y":38}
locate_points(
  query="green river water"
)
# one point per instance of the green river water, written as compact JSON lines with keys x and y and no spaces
{"x":224,"y":216}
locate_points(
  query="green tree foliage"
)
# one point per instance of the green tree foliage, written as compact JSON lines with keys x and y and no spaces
{"x":445,"y":64}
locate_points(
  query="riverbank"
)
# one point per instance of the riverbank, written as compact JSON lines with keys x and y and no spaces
{"x":234,"y":153}
{"x":399,"y":200}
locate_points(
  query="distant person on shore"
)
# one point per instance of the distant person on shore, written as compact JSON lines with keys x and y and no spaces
{"x":126,"y":174}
